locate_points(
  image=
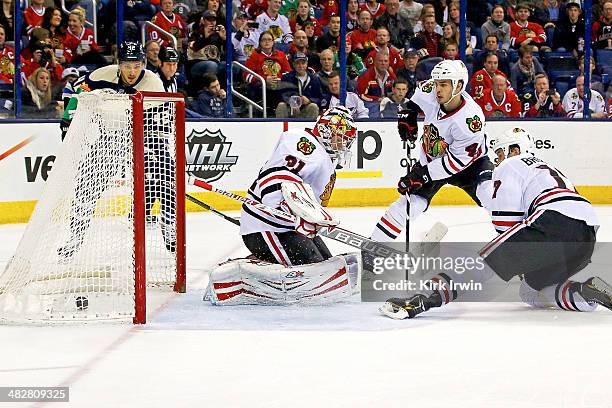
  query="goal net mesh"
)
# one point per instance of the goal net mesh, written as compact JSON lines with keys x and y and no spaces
{"x":76,"y":259}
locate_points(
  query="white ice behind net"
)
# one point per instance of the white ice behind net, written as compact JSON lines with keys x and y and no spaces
{"x":75,"y":260}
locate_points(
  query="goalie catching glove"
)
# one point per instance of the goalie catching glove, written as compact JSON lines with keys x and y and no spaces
{"x":310,"y":216}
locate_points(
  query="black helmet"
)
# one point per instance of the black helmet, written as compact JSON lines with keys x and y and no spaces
{"x":168,"y":54}
{"x":131,"y":51}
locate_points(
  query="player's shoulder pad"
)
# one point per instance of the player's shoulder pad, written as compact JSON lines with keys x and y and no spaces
{"x":473,"y":120}
{"x":150,"y":81}
{"x":427,"y":86}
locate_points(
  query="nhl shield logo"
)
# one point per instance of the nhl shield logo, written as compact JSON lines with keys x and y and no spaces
{"x":207,"y":155}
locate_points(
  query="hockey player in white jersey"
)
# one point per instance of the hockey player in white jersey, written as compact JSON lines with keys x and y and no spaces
{"x":546,"y":235}
{"x":300,"y":171}
{"x":129,"y":76}
{"x":453,"y":149}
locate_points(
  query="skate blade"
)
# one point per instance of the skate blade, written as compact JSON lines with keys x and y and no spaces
{"x":393,"y":312}
{"x":602,"y":286}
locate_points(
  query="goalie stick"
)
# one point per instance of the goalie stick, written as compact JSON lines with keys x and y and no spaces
{"x":335,"y":233}
{"x":213,"y":210}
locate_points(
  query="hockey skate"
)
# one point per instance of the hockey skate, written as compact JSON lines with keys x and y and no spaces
{"x":596,"y":290}
{"x":408,"y":308}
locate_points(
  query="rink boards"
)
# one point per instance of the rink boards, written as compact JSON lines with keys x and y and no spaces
{"x":229,"y":154}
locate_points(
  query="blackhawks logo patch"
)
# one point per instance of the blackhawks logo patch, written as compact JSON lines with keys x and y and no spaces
{"x":305,"y":146}
{"x":427,"y":87}
{"x":479,"y":77}
{"x":433,"y":144}
{"x":474,"y":124}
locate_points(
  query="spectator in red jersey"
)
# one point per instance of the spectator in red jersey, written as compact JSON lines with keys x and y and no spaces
{"x":270,"y":64}
{"x":330,"y":8}
{"x":610,"y":108}
{"x":352,"y":15}
{"x":80,"y":41}
{"x":523,"y":32}
{"x":331,"y":37}
{"x":374,"y":7}
{"x":33,"y":15}
{"x":376,"y":82}
{"x":602,"y":28}
{"x":382,"y":45}
{"x":42,"y":56}
{"x":7,"y":60}
{"x":253,"y":8}
{"x":428,"y":42}
{"x":36,"y":100}
{"x":481,"y":80}
{"x":52,"y":22}
{"x":302,"y":16}
{"x":300,"y":44}
{"x":363,"y":39}
{"x":400,"y":30}
{"x":169,"y":21}
{"x":499,"y":101}
{"x":547,"y":101}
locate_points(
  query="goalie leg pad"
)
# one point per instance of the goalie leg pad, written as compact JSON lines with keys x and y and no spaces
{"x":251,"y":282}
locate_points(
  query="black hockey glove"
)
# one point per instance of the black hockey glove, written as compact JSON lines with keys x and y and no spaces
{"x":414,"y":180}
{"x":407,"y":123}
{"x":64,"y":125}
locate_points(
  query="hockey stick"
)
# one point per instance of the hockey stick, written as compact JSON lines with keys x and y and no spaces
{"x":336,"y":233}
{"x":213,"y":210}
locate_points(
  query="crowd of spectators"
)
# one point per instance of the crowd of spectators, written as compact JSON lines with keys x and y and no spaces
{"x":525,"y":57}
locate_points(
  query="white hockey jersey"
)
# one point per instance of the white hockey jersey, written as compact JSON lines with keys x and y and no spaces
{"x":524,"y":184}
{"x":451,"y":141}
{"x":573,"y":104}
{"x":279,"y":27}
{"x":298,"y":157}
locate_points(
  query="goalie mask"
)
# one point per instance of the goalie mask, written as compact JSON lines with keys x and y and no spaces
{"x":510,"y":138}
{"x":336,"y":131}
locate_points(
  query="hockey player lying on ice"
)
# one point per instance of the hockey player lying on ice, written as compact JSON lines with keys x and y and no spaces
{"x":292,"y":264}
{"x":532,"y":202}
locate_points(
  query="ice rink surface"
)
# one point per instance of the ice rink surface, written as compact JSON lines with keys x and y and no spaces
{"x":192,"y":354}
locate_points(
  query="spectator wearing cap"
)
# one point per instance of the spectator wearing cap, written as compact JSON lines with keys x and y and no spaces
{"x":245,"y":37}
{"x":152,"y":53}
{"x":382,"y":45}
{"x":300,"y":91}
{"x":390,"y":105}
{"x":408,"y":71}
{"x":353,"y":103}
{"x":482,"y":79}
{"x":491,"y":45}
{"x":168,"y":65}
{"x":376,"y":83}
{"x":524,"y":32}
{"x":363,"y":39}
{"x":428,"y":41}
{"x":375,"y":8}
{"x":411,"y":11}
{"x":300,"y":44}
{"x":569,"y":31}
{"x":206,"y":47}
{"x":210,"y":102}
{"x":65,"y":90}
{"x":275,"y":23}
{"x":331,"y":38}
{"x":602,"y":28}
{"x":303,"y":14}
{"x":498,"y":27}
{"x":523,"y":73}
{"x":169,"y":21}
{"x":400,"y":29}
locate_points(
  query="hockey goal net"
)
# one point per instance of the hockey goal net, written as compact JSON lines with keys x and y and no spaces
{"x":110,"y":221}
